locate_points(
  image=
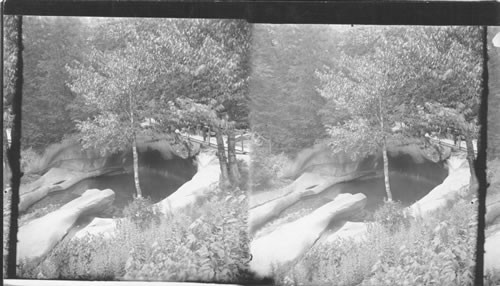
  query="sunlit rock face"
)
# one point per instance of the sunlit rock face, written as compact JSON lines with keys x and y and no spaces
{"x":287,"y":242}
{"x":493,"y":193}
{"x":39,"y":236}
{"x":451,"y":188}
{"x":56,"y":179}
{"x":352,"y":231}
{"x":102,"y":227}
{"x":307,"y":184}
{"x":195,"y":189}
{"x":492,"y":252}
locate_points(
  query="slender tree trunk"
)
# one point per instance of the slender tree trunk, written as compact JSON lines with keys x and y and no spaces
{"x":470,"y":158}
{"x":221,"y":154}
{"x":384,"y":151}
{"x":135,"y":154}
{"x":386,"y":171}
{"x":234,"y":173}
{"x":14,"y":150}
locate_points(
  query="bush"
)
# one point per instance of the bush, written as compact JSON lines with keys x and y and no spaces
{"x":392,"y":215}
{"x":492,"y":278}
{"x":434,"y":251}
{"x":244,"y":175}
{"x":29,"y":160}
{"x":88,"y":258}
{"x":265,"y":168}
{"x":443,"y":254}
{"x":211,"y":246}
{"x":142,"y":213}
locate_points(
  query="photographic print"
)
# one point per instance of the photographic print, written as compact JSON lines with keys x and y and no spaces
{"x":363,"y":159}
{"x":224,"y":151}
{"x":133,"y":149}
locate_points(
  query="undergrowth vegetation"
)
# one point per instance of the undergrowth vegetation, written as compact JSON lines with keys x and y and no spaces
{"x":209,"y":243}
{"x":438,"y":250}
{"x":266,"y":168}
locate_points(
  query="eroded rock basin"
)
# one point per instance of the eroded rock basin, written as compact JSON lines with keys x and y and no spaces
{"x":154,"y":185}
{"x":406,"y":189}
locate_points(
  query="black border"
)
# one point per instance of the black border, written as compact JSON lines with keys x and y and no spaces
{"x":410,"y":12}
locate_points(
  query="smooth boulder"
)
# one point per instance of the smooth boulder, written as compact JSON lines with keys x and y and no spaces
{"x":291,"y":240}
{"x":492,"y":252}
{"x":305,"y":181}
{"x":492,"y":209}
{"x":39,"y":236}
{"x":104,"y":227}
{"x":195,"y":189}
{"x":307,"y":184}
{"x":355,"y":231}
{"x":56,"y":179}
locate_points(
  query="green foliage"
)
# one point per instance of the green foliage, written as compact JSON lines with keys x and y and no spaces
{"x":29,"y":159}
{"x":284,"y":103}
{"x":142,"y":213}
{"x":10,"y":60}
{"x":213,"y":247}
{"x":209,"y":244}
{"x":87,"y":258}
{"x":244,"y":183}
{"x":425,"y":77}
{"x":266,"y":168}
{"x":437,"y":250}
{"x":393,"y":216}
{"x":443,"y":254}
{"x":50,"y":43}
{"x":492,"y":278}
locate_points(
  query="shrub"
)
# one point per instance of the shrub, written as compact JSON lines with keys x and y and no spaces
{"x":435,"y":251}
{"x":87,"y":258}
{"x":141,"y":212}
{"x":211,"y":246}
{"x":392,"y":215}
{"x":341,"y":262}
{"x":29,"y":160}
{"x":244,"y":175}
{"x":443,"y":253}
{"x":265,"y":168}
{"x":492,"y":278}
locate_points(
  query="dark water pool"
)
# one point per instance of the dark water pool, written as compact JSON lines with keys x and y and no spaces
{"x":158,"y":178}
{"x":405,"y":188}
